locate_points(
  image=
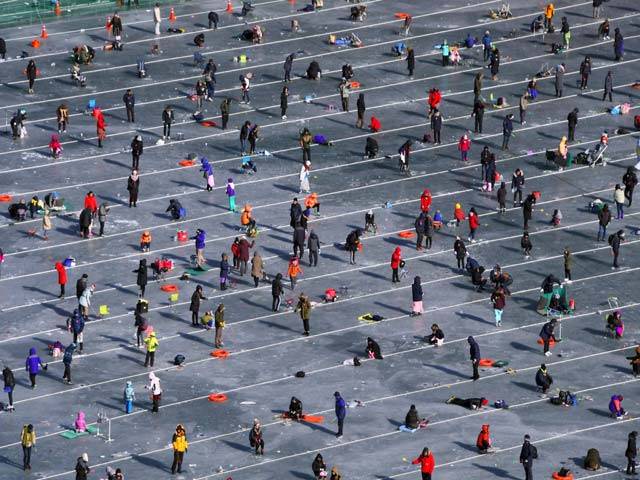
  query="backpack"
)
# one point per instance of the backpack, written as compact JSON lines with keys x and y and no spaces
{"x":534,"y":452}
{"x":179,"y":360}
{"x":610,"y":240}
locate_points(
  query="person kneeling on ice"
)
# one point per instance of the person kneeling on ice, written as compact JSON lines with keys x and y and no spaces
{"x":373,"y":349}
{"x":483,"y":442}
{"x":176,"y":210}
{"x":437,"y":336}
{"x":470,"y":403}
{"x":129,"y":397}
{"x":615,"y":407}
{"x":80,"y":424}
{"x":295,"y":409}
{"x":543,"y":379}
{"x":412,"y":421}
{"x":615,"y":324}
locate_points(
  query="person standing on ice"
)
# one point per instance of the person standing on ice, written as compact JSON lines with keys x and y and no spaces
{"x":157,"y":18}
{"x":427,"y":463}
{"x":341,"y":412}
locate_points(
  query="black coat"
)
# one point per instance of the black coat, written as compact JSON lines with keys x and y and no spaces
{"x":416,"y":290}
{"x":295,"y":214}
{"x":547,"y":331}
{"x":460,"y":249}
{"x":137,"y":147}
{"x":141,"y":279}
{"x":81,"y":286}
{"x":543,"y":380}
{"x":373,"y":347}
{"x":85,"y":217}
{"x":572,"y":118}
{"x":133,"y":185}
{"x":526,"y":453}
{"x":298,"y":236}
{"x":631,"y":451}
{"x":195,"y":301}
{"x":3,"y":46}
{"x":313,"y":242}
{"x":474,"y":349}
{"x":276,"y":287}
{"x":411,"y":420}
{"x":361,"y":105}
{"x":436,"y":122}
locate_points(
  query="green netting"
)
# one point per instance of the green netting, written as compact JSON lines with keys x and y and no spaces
{"x":21,"y":12}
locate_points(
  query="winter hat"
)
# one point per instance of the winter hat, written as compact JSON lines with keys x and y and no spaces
{"x":527,"y":437}
{"x":336,"y":394}
{"x":85,"y":457}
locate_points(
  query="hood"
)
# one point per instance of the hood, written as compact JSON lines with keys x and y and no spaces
{"x":152,"y":376}
{"x":152,"y":334}
{"x":397,"y":251}
{"x":143,"y":262}
{"x":485,"y":428}
{"x":416,"y":280}
{"x":129,"y":384}
{"x":458,"y":206}
{"x":471,"y":340}
{"x":59,"y":266}
{"x":313,"y":234}
{"x":32,"y":351}
{"x":279,"y":276}
{"x":80,"y":415}
{"x":426,"y":192}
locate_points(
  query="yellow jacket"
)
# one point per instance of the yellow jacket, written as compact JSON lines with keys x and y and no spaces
{"x":549,"y":11}
{"x":179,"y":441}
{"x":151,"y":342}
{"x":28,"y":439}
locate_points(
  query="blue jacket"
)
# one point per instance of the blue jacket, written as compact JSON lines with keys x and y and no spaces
{"x":77,"y":322}
{"x":341,"y":408}
{"x":33,"y":362}
{"x":200,"y":238}
{"x":486,"y":41}
{"x":68,"y":354}
{"x":224,"y":269}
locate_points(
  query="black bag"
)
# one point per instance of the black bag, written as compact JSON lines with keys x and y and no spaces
{"x":142,"y":306}
{"x":179,"y":360}
{"x":300,"y":374}
{"x":356,"y":361}
{"x":534,"y":452}
{"x":610,"y":240}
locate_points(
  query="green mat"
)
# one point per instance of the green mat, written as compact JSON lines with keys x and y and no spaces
{"x":71,"y":434}
{"x":197,"y":271}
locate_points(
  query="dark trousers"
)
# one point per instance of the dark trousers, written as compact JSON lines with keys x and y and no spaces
{"x":545,"y":343}
{"x":615,"y":259}
{"x":475,"y":363}
{"x":528,"y":473}
{"x":283,"y":111}
{"x":394,"y":275}
{"x":26,"y":457}
{"x":610,"y":93}
{"x":166,"y":130}
{"x":505,"y":141}
{"x":225,"y":120}
{"x":523,"y":116}
{"x":135,"y":161}
{"x":631,"y":465}
{"x":425,"y":476}
{"x":298,"y":249}
{"x":155,"y":402}
{"x":419,"y":240}
{"x":101,"y":228}
{"x":305,"y":325}
{"x":62,"y":290}
{"x":517,"y":194}
{"x":133,"y":198}
{"x":10,"y":395}
{"x":287,"y":75}
{"x":131,"y":117}
{"x":243,"y":267}
{"x":567,"y":274}
{"x":345,"y":104}
{"x":340,"y":425}
{"x":436,"y":136}
{"x":84,"y":231}
{"x":275,"y":304}
{"x":62,"y":126}
{"x":32,"y":377}
{"x":429,"y":239}
{"x":177,"y":461}
{"x":478,"y":124}
{"x":572,"y":132}
{"x":194,"y":318}
{"x":313,"y":258}
{"x":256,"y":280}
{"x":460,"y":262}
{"x":306,"y":154}
{"x":213,"y":24}
{"x":149,"y":359}
{"x":584,"y":79}
{"x":628,"y":194}
{"x":31,"y":82}
{"x":67,"y":373}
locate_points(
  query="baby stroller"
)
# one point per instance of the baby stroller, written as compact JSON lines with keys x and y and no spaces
{"x":142,"y":69}
{"x":596,"y":156}
{"x":79,"y":79}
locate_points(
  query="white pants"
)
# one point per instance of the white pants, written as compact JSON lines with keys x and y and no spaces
{"x":157,"y":28}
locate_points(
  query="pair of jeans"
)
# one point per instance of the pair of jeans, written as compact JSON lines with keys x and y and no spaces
{"x":602,"y":232}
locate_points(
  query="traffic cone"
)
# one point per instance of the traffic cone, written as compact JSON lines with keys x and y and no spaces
{"x":172,"y":15}
{"x":57,"y":9}
{"x":229,"y":7}
{"x":43,"y":32}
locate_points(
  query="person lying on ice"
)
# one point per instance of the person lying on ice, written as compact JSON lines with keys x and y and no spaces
{"x":470,"y":403}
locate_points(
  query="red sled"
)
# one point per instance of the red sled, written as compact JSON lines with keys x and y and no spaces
{"x":330,"y":295}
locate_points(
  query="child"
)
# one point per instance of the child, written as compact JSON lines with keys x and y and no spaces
{"x":556,"y":217}
{"x":34,"y":205}
{"x":224,"y":271}
{"x":458,"y":214}
{"x":235,"y":251}
{"x":370,"y":222}
{"x":207,"y":320}
{"x":55,"y":146}
{"x":145,"y":241}
{"x":231,"y":193}
{"x":129,"y":397}
{"x":438,"y":221}
{"x":293,"y":271}
{"x":312,"y":202}
{"x":80,"y":423}
{"x":246,"y":219}
{"x":525,"y":243}
{"x":619,"y":198}
{"x":501,"y":195}
{"x":615,"y":407}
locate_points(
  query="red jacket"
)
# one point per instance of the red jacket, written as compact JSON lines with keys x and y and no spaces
{"x":483,"y":437}
{"x":396,"y":257}
{"x":425,"y":201}
{"x":434,"y":98}
{"x":464,"y":145}
{"x":473,"y":221}
{"x":62,"y":273}
{"x":427,"y":464}
{"x":91,"y":202}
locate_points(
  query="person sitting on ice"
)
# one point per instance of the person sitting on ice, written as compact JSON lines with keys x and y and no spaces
{"x":295,"y":409}
{"x":615,"y":407}
{"x":615,"y":324}
{"x":436,"y":337}
{"x":483,"y":442}
{"x":373,"y":349}
{"x":412,"y":420}
{"x":80,"y":424}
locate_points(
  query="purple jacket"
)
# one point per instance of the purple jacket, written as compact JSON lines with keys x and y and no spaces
{"x":200,"y":239}
{"x":33,"y":362}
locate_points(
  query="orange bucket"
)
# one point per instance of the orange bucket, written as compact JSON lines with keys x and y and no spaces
{"x":187,"y":163}
{"x":220,"y":354}
{"x":218,"y":398}
{"x":169,"y":288}
{"x":407,"y":234}
{"x":5,"y":198}
{"x":485,"y":362}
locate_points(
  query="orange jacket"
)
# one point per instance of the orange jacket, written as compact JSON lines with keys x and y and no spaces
{"x":145,"y":237}
{"x":549,"y":11}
